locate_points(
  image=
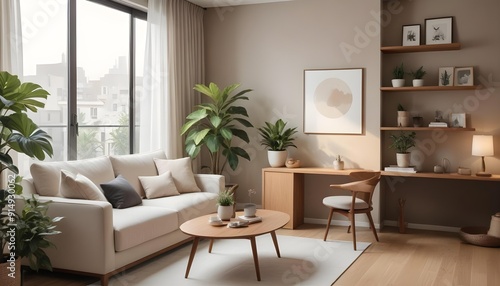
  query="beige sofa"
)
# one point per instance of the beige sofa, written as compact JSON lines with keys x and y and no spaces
{"x":100,"y":240}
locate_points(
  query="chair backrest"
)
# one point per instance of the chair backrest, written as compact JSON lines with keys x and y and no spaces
{"x":367,"y":178}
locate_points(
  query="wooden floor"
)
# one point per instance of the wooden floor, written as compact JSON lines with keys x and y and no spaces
{"x":415,"y":258}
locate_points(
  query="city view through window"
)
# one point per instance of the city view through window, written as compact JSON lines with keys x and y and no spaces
{"x":103,"y":75}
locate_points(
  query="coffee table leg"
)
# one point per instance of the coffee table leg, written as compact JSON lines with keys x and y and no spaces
{"x":255,"y":257}
{"x":210,"y":246}
{"x":191,"y":255}
{"x":275,"y":241}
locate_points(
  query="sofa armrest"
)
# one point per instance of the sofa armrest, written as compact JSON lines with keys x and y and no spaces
{"x":28,"y":187}
{"x":86,"y":241}
{"x":210,"y":183}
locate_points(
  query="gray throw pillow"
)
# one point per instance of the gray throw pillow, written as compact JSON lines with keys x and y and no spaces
{"x":120,"y":193}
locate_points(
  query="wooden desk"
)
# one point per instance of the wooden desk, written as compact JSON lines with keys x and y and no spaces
{"x":283,"y":190}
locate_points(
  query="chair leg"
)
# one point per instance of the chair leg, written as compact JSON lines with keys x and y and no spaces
{"x":328,"y":223}
{"x":372,"y":225}
{"x":349,"y":229}
{"x":353,"y":224}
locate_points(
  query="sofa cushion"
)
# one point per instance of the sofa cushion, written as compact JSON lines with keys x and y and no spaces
{"x":120,"y":193}
{"x":47,"y":175}
{"x":187,"y":206}
{"x":79,"y":187}
{"x":159,"y":186}
{"x":137,"y":225}
{"x":182,"y":173}
{"x":134,"y":165}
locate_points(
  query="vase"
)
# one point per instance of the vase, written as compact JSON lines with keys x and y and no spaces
{"x":277,"y":158}
{"x":338,"y":165}
{"x":418,"y":82}
{"x":249,"y":210}
{"x":397,"y":82}
{"x":403,"y":159}
{"x":404,"y":119}
{"x":225,"y":212}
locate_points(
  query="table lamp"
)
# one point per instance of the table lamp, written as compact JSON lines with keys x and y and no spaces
{"x":482,"y":145}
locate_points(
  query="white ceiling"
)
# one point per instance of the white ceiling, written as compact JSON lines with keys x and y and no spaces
{"x":221,"y":3}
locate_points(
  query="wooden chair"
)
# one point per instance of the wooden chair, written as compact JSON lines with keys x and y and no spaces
{"x":360,"y":201}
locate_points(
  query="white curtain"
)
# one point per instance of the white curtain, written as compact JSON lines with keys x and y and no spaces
{"x":11,"y":49}
{"x":173,"y":65}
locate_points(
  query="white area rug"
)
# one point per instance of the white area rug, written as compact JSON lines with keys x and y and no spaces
{"x":304,"y":261}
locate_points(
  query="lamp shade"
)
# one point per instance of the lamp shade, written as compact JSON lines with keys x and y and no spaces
{"x":482,"y":145}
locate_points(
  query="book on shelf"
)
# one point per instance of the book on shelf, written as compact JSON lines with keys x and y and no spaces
{"x":395,"y":168}
{"x":438,"y":124}
{"x":250,"y":219}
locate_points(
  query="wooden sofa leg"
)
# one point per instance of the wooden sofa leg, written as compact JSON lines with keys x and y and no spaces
{"x":104,"y":280}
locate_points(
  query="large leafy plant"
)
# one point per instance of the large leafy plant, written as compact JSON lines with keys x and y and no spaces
{"x":215,"y":124}
{"x":275,"y":137}
{"x":18,"y":132}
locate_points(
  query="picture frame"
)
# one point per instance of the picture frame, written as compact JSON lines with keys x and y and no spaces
{"x":458,"y":120}
{"x":333,"y":101}
{"x":446,"y":76}
{"x":411,"y":35}
{"x":464,"y":76}
{"x":439,"y":31}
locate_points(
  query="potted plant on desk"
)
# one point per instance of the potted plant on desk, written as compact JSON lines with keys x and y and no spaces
{"x":276,"y":138}
{"x":402,"y":143}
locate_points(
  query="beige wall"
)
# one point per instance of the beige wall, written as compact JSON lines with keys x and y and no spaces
{"x":266,"y":47}
{"x":447,"y":202}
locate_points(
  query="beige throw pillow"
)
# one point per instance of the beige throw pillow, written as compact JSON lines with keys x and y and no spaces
{"x":159,"y":186}
{"x":182,"y":173}
{"x":79,"y":187}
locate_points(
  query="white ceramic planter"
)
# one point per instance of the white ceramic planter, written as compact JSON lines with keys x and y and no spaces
{"x":398,"y":82}
{"x":249,"y":210}
{"x":403,"y":159}
{"x":338,"y":165}
{"x":404,"y":119}
{"x":418,"y":82}
{"x":225,"y":212}
{"x":277,"y":158}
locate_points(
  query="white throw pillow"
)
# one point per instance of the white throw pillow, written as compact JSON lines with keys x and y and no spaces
{"x":181,"y":172}
{"x":79,"y":187}
{"x":159,"y":186}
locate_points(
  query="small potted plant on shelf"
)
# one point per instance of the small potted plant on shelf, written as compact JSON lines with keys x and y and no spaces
{"x":338,"y":164}
{"x":277,"y":138}
{"x":418,"y":76}
{"x":398,"y":74}
{"x":401,"y":143}
{"x":403,"y":116}
{"x":225,"y":202}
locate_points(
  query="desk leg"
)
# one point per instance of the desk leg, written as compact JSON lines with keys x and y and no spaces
{"x":402,"y":223}
{"x":275,"y":241}
{"x":191,"y":255}
{"x":255,"y":257}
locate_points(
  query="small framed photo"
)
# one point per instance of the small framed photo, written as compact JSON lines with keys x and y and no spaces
{"x":458,"y":120}
{"x":446,"y":76}
{"x":411,"y":35}
{"x":464,"y":76}
{"x":439,"y":31}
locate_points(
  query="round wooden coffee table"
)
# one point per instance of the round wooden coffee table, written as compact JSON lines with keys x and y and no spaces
{"x":200,"y":228}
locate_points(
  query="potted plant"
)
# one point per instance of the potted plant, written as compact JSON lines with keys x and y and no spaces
{"x":225,"y":202}
{"x":18,"y":132}
{"x":338,"y":164}
{"x":401,"y":143}
{"x":398,"y":74}
{"x":403,"y":116}
{"x":277,"y":138}
{"x":214,"y":125}
{"x":418,"y":76}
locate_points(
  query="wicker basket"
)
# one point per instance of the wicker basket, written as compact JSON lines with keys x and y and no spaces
{"x":478,"y":236}
{"x":5,"y":280}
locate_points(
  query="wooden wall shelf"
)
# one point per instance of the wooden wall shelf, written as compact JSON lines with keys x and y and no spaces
{"x":421,"y":48}
{"x":451,"y":176}
{"x":426,"y":129}
{"x":429,"y":88}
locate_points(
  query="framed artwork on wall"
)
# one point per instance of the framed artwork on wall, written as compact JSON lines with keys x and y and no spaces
{"x":411,"y":35}
{"x":333,"y":101}
{"x":439,"y":31}
{"x":446,"y":76}
{"x":464,"y":76}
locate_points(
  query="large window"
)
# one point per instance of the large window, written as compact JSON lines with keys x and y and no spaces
{"x":89,"y":56}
